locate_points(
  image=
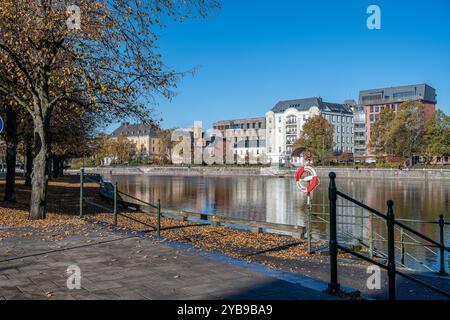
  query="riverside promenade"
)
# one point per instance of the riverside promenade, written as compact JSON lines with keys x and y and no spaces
{"x":118,"y":264}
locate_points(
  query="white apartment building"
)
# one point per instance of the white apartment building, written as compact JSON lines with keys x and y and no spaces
{"x":284,"y":123}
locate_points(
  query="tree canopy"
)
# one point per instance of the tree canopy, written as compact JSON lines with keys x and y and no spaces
{"x":98,"y":55}
{"x":317,"y":138}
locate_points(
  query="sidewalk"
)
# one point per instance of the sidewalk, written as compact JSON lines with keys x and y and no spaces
{"x":120,"y":265}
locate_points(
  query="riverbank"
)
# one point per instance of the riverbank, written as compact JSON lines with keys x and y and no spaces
{"x":346,"y":173}
{"x":275,"y":251}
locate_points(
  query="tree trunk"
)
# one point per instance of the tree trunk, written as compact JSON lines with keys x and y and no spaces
{"x":29,"y":163}
{"x":39,"y":179}
{"x":49,"y":167}
{"x":61,"y":166}
{"x":11,"y":154}
{"x":55,"y":166}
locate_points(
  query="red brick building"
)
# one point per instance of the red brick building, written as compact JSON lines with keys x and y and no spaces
{"x":375,"y":100}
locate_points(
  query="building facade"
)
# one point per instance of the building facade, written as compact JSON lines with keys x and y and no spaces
{"x":374,"y":101}
{"x":359,"y":129}
{"x":285,"y":121}
{"x":243,"y":138}
{"x":146,"y":141}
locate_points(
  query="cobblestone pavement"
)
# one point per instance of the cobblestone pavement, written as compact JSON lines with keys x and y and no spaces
{"x":119,"y":265}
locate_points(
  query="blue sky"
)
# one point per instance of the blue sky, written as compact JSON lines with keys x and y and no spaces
{"x":251,"y":54}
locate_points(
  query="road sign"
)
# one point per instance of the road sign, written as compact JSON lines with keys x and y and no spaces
{"x":1,"y":124}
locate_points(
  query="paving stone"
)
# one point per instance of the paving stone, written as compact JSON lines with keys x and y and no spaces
{"x":116,"y":270}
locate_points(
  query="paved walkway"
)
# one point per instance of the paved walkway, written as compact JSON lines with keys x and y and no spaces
{"x":119,"y":265}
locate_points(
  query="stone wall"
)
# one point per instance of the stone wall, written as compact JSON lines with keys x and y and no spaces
{"x":351,"y":173}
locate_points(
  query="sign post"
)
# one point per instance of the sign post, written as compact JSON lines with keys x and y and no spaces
{"x":307,"y":181}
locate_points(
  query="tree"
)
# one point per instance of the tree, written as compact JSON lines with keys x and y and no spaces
{"x":17,"y":129}
{"x":436,"y":140}
{"x":166,"y":144}
{"x":121,"y":150}
{"x":107,"y":63}
{"x":124,"y":149}
{"x":379,"y":143}
{"x":399,"y":135}
{"x":317,"y":138}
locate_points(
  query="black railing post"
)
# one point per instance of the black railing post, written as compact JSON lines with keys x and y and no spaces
{"x":158,"y":218}
{"x":333,"y":286}
{"x":391,"y":249}
{"x":441,"y":239}
{"x":115,"y":205}
{"x":81,"y":191}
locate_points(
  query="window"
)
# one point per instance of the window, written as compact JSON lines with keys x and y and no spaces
{"x":338,"y":118}
{"x":371,"y":117}
{"x":253,"y":125}
{"x":279,"y":119}
{"x":338,"y":129}
{"x":372,"y":97}
{"x":260,"y":125}
{"x":279,"y":129}
{"x":404,"y":95}
{"x":334,"y":119}
{"x":291,"y":119}
{"x":371,"y":109}
{"x":377,"y":109}
{"x":279,"y":149}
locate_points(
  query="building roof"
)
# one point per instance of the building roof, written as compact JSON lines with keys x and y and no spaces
{"x":134,"y":130}
{"x":398,"y":94}
{"x":239,"y":121}
{"x":306,"y":103}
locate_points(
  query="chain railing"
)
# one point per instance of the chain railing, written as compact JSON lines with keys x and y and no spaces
{"x":364,"y":222}
{"x":110,"y":193}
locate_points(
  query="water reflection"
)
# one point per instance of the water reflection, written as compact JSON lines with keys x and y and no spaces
{"x":276,"y":199}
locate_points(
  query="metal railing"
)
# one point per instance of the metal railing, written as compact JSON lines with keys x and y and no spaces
{"x":317,"y":217}
{"x":334,"y":246}
{"x":110,"y":193}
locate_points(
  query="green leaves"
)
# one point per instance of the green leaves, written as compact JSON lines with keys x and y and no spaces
{"x":317,"y":138}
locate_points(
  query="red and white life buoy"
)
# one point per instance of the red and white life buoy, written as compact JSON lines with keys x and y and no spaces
{"x":308,"y":183}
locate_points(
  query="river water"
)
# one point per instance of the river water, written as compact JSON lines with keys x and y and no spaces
{"x":276,"y":199}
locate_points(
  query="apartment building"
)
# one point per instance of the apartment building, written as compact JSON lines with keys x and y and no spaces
{"x":284,"y":123}
{"x":374,"y":101}
{"x":243,"y":137}
{"x":147,"y":143}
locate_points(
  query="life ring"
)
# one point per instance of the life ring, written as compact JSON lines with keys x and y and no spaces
{"x":312,"y":179}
